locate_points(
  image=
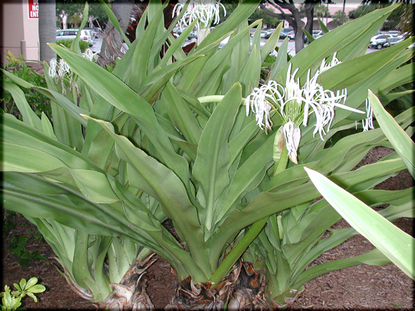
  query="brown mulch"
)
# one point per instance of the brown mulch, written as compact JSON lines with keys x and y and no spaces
{"x":361,"y":287}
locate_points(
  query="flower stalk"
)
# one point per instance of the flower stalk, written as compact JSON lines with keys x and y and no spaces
{"x":253,"y":231}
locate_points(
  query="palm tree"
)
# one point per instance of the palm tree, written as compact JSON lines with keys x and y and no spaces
{"x":47,"y":29}
{"x":321,"y":10}
{"x":75,"y":19}
{"x":339,"y":18}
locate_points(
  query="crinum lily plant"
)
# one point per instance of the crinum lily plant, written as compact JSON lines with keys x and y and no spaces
{"x":163,"y":141}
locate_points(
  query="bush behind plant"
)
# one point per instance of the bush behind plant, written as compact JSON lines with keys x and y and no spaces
{"x":83,"y":45}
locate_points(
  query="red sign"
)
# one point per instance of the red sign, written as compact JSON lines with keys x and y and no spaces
{"x":33,"y":8}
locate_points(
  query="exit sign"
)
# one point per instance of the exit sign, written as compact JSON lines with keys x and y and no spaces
{"x":33,"y":8}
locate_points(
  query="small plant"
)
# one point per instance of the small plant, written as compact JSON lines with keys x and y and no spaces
{"x":8,"y":223}
{"x":38,"y":102}
{"x":12,"y":299}
{"x":17,"y":244}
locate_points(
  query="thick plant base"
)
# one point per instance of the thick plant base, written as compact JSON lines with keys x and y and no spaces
{"x":242,"y":290}
{"x":130,"y":293}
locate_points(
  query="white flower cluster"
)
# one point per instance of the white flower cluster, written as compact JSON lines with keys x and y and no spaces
{"x":206,"y":11}
{"x":368,"y":122}
{"x":58,"y":71}
{"x":294,"y":104}
{"x":63,"y":68}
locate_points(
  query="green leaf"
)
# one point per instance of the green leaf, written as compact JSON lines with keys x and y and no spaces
{"x":27,"y":113}
{"x":323,"y":26}
{"x":32,"y":296}
{"x":180,"y":114}
{"x":17,"y":286}
{"x":374,"y":257}
{"x":212,"y":161}
{"x":353,"y":36}
{"x":113,"y":19}
{"x":38,"y":288}
{"x":29,"y":283}
{"x":124,"y":98}
{"x":271,"y":43}
{"x":389,"y":239}
{"x":401,"y":142}
{"x":166,"y":187}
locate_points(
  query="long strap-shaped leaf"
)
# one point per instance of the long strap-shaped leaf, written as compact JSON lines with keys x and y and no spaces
{"x":269,"y":202}
{"x":114,"y":21}
{"x":65,"y":103}
{"x":167,"y":188}
{"x":338,"y":39}
{"x":402,"y":143}
{"x":211,"y":165}
{"x":124,"y":98}
{"x":389,"y":239}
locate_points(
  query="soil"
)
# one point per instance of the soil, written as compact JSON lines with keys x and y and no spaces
{"x":361,"y":287}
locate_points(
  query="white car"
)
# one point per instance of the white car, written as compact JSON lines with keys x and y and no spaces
{"x":87,"y":36}
{"x":317,"y":34}
{"x":379,"y":40}
{"x":70,"y":34}
{"x":66,"y":34}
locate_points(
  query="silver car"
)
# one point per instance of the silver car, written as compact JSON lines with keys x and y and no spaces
{"x":379,"y":40}
{"x":66,"y":34}
{"x":70,"y":34}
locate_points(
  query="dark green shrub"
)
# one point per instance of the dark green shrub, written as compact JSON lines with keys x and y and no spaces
{"x":37,"y":101}
{"x":67,"y":43}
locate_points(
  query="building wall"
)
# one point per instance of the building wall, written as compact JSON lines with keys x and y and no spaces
{"x":20,"y":33}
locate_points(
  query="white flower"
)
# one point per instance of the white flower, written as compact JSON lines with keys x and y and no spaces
{"x":52,"y":67}
{"x":368,"y":122}
{"x":89,"y":55}
{"x":260,"y":101}
{"x":324,"y":66}
{"x":63,"y":68}
{"x":292,"y":135}
{"x":294,"y":104}
{"x":206,"y":11}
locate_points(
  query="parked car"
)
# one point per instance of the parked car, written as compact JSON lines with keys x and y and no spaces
{"x":285,"y":31}
{"x":93,"y":31}
{"x":393,"y":41}
{"x":291,"y":36}
{"x":317,"y":34}
{"x":266,"y":33}
{"x":379,"y":40}
{"x":88,"y":36}
{"x":66,"y":34}
{"x":394,"y":32}
{"x":70,"y":34}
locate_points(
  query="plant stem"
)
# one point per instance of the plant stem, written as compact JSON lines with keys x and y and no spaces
{"x":249,"y":236}
{"x":282,"y":163}
{"x":237,"y":251}
{"x":213,"y":99}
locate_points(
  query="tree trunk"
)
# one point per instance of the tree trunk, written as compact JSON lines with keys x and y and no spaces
{"x":309,"y":13}
{"x":299,"y":35}
{"x":47,"y":28}
{"x":112,"y":39}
